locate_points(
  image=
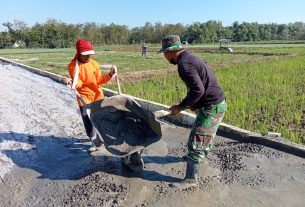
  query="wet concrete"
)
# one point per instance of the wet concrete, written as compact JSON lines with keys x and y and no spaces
{"x":44,"y":160}
{"x":124,"y":126}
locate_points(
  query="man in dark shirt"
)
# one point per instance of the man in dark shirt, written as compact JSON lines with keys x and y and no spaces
{"x":204,"y":97}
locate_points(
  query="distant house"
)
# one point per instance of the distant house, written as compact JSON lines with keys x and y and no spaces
{"x":18,"y":44}
{"x":224,"y":42}
{"x":224,"y":45}
{"x":15,"y":45}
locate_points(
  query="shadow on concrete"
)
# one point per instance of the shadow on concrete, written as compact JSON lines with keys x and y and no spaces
{"x":65,"y":158}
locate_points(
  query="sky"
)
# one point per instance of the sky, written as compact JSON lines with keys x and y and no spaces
{"x":134,"y":13}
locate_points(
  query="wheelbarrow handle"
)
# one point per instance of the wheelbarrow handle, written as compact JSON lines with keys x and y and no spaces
{"x":115,"y":75}
{"x":156,"y":115}
{"x":161,"y":113}
{"x":82,"y":100}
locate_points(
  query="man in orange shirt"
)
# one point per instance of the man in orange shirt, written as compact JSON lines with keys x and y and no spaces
{"x":86,"y":78}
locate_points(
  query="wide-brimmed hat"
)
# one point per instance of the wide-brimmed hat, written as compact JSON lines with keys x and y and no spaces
{"x":171,"y":43}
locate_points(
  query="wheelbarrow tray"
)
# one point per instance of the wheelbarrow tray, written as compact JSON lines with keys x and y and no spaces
{"x":125,"y":127}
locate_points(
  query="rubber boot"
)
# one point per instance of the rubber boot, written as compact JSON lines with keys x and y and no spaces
{"x":98,"y":147}
{"x":191,"y":175}
{"x":96,"y":141}
{"x":134,"y":162}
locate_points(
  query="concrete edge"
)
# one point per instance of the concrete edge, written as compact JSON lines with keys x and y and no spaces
{"x":187,"y":119}
{"x":44,"y":73}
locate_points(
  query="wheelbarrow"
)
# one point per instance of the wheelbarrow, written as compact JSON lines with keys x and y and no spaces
{"x":123,"y":126}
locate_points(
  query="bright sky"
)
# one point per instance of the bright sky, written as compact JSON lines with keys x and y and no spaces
{"x":136,"y":12}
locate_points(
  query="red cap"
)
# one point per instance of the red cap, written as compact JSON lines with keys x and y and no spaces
{"x":83,"y":47}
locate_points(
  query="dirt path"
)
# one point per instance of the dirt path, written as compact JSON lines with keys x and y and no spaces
{"x":44,"y":160}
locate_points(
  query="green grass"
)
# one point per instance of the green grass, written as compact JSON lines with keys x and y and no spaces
{"x":267,"y":96}
{"x":57,"y":60}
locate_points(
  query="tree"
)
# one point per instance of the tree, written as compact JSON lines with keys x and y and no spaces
{"x":5,"y":40}
{"x":297,"y":30}
{"x":194,"y":33}
{"x":283,"y":32}
{"x":265,"y":32}
{"x":56,"y":34}
{"x":211,"y":31}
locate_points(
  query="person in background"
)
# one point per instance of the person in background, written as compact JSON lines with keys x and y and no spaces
{"x":86,"y":78}
{"x":204,"y":97}
{"x":144,"y":49}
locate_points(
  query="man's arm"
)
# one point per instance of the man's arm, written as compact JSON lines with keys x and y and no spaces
{"x":196,"y":90}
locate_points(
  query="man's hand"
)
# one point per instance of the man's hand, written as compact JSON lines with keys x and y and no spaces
{"x":193,"y":109}
{"x":67,"y":81}
{"x":175,"y":109}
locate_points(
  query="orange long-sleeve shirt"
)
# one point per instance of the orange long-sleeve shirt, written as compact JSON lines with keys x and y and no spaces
{"x":89,"y":81}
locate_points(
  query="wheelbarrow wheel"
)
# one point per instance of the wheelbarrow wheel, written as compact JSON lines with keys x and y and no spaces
{"x":134,"y":162}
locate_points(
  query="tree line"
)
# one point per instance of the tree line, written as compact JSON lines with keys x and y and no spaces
{"x":57,"y":34}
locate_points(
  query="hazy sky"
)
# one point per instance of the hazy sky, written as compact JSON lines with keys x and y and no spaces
{"x":135,"y":12}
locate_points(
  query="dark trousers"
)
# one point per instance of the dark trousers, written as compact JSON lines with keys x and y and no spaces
{"x":87,"y":123}
{"x":143,"y":51}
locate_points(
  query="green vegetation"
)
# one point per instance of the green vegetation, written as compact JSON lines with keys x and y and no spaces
{"x":56,"y":34}
{"x":267,"y":96}
{"x":264,"y":85}
{"x":56,"y":60}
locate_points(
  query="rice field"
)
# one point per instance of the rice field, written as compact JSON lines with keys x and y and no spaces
{"x":264,"y":84}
